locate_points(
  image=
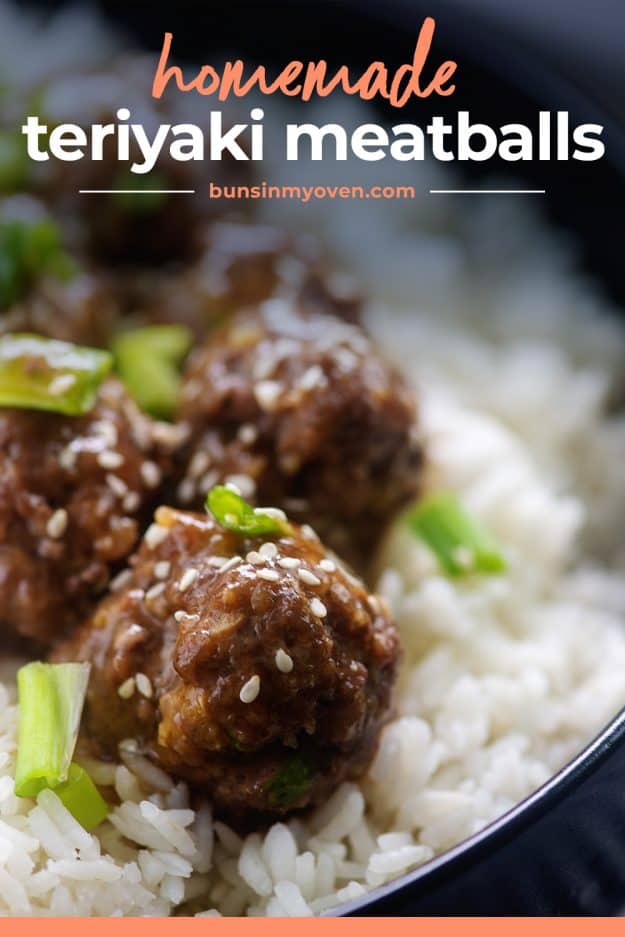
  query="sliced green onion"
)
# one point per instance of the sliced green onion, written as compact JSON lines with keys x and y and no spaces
{"x":459,"y":542}
{"x":148,"y":361}
{"x":291,"y":783}
{"x":81,"y":797}
{"x":45,"y":374}
{"x":234,"y":513}
{"x":29,"y":250}
{"x":51,"y":698}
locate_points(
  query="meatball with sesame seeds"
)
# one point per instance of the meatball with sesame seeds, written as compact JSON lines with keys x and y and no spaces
{"x":299,"y":410}
{"x":73,"y":492}
{"x":239,"y":265}
{"x":257,"y":669}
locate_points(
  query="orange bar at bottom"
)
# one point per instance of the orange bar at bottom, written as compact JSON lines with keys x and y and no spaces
{"x":311,"y":927}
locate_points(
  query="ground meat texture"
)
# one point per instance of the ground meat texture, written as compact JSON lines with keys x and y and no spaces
{"x":258,"y":671}
{"x":300,"y":411}
{"x":83,"y":310}
{"x":240,"y":265}
{"x":73,"y":493}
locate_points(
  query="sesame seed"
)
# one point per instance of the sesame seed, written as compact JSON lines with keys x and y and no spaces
{"x":308,"y":533}
{"x":276,"y":513}
{"x":117,"y":485}
{"x":232,"y":486}
{"x":311,"y":378}
{"x":137,"y":594}
{"x":230,"y":564}
{"x":181,"y":616}
{"x":268,"y":550}
{"x":248,"y":434}
{"x":127,"y":688}
{"x":267,"y":394}
{"x":109,"y":459}
{"x":271,"y":575}
{"x":162,"y":569}
{"x":217,"y":561}
{"x":170,"y":435}
{"x":255,"y":558}
{"x":155,"y":534}
{"x":198,"y":464}
{"x":327,"y":565}
{"x":318,"y":608}
{"x":151,"y":474}
{"x":246,"y":486}
{"x":250,"y":690}
{"x":154,"y":591}
{"x":309,"y":578}
{"x":61,"y":383}
{"x":122,"y":579}
{"x":128,"y":745}
{"x":374,"y":602}
{"x":67,"y":458}
{"x":289,"y":562}
{"x":106,"y":430}
{"x":187,"y":579}
{"x":57,"y":524}
{"x":284,"y":662}
{"x":144,"y":685}
{"x":208,"y":481}
{"x":131,"y":502}
{"x":186,"y":491}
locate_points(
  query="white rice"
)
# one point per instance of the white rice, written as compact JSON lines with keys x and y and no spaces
{"x":514,"y":355}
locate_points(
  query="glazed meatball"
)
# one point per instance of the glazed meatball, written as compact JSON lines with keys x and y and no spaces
{"x":73,"y":491}
{"x":300,"y":411}
{"x":240,"y":265}
{"x":255,"y":668}
{"x":82,"y":310}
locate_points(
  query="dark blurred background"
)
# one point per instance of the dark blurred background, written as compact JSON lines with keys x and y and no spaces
{"x":514,"y":58}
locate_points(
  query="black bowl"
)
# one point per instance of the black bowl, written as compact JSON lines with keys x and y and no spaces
{"x":562,"y":850}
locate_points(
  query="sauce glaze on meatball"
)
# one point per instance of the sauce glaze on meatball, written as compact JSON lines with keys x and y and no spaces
{"x":255,"y":668}
{"x":72,"y":494}
{"x":301,"y":412}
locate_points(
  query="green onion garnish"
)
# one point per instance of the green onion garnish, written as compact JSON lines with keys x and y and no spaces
{"x":231,"y":511}
{"x":29,"y":250}
{"x":291,"y":783}
{"x":148,"y":360}
{"x":81,"y":797}
{"x":459,"y":542}
{"x":45,"y":374}
{"x":51,"y":698}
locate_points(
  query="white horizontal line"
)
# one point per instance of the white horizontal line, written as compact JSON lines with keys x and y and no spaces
{"x":136,"y":191}
{"x":487,"y":191}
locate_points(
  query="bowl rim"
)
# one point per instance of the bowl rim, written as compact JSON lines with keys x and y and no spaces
{"x":498,"y":831}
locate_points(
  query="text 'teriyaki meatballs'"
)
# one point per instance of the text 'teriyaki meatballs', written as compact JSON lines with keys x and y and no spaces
{"x":299,"y":411}
{"x":72,"y":492}
{"x":252,"y":666}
